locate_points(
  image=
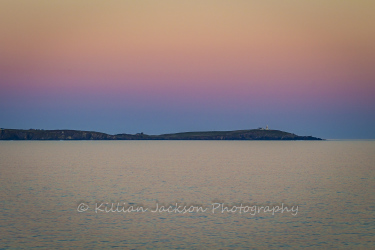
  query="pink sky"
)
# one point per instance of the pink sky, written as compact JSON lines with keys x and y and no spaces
{"x":218,"y":55}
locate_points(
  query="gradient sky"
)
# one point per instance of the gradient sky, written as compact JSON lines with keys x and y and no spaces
{"x":306,"y":67}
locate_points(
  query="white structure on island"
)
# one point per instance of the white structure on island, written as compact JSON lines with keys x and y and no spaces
{"x":260,"y":128}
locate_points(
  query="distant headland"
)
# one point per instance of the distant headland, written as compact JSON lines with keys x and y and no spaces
{"x":251,"y":134}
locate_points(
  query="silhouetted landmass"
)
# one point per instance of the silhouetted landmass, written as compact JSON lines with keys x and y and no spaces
{"x":253,"y":134}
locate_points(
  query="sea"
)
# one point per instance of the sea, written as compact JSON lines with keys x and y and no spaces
{"x":187,"y":194}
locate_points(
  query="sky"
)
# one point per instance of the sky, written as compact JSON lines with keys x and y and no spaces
{"x":305,"y":67}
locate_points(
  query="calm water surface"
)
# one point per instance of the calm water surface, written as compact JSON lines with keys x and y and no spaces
{"x":42,"y":183}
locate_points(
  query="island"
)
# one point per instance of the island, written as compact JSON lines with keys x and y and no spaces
{"x":251,"y":134}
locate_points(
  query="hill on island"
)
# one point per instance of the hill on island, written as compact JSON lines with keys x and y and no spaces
{"x":252,"y":134}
